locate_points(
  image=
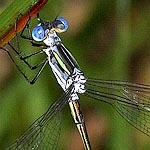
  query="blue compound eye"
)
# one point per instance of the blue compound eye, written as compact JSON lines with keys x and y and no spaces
{"x":38,"y":33}
{"x":62,"y":25}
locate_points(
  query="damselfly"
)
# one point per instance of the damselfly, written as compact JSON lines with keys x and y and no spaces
{"x":132,"y":101}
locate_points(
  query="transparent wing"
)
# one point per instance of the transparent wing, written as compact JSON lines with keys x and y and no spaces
{"x":132,"y":101}
{"x":45,"y":131}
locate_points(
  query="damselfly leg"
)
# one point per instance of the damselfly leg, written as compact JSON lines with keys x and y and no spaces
{"x":22,"y":57}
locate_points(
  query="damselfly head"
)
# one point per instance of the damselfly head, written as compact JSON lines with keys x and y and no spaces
{"x":39,"y":33}
{"x":60,"y":25}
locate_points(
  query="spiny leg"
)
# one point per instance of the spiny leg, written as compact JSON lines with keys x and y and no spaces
{"x":29,"y":37}
{"x":24,"y":58}
{"x":33,"y":80}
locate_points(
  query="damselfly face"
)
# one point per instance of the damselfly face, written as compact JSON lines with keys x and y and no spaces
{"x":40,"y":32}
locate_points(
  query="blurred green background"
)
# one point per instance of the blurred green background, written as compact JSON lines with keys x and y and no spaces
{"x":110,"y":40}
